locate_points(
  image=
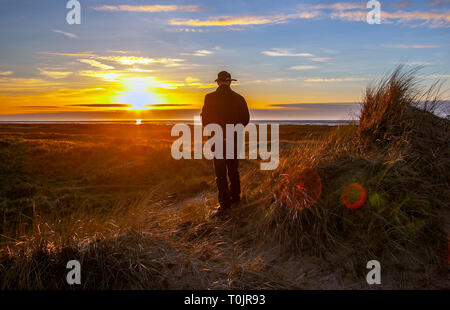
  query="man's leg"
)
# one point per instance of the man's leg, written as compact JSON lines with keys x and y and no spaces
{"x":220,"y":169}
{"x":235,"y":183}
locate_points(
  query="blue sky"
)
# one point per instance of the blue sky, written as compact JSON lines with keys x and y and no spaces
{"x":167,"y":53}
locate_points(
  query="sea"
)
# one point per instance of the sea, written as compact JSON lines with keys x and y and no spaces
{"x":187,"y":121}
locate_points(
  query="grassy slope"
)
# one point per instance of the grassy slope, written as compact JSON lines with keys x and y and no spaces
{"x":68,"y":190}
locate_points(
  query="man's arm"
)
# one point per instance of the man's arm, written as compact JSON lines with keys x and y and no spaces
{"x":206,"y":113}
{"x":244,"y":113}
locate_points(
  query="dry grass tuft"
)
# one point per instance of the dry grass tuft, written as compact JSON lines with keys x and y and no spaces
{"x":400,"y":154}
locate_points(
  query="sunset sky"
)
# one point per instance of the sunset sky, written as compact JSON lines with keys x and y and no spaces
{"x":157,"y":59}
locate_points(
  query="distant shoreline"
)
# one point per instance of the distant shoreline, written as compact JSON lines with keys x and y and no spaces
{"x":190,"y":121}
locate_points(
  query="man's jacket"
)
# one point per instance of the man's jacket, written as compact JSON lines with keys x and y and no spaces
{"x":225,"y":106}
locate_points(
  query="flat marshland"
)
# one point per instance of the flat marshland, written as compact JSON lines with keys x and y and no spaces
{"x":112,"y":197}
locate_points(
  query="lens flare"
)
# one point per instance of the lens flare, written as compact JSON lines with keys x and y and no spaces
{"x":300,"y":187}
{"x":354,"y":196}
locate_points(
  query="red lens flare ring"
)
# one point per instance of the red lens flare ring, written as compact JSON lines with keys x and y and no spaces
{"x":300,"y":187}
{"x":354,"y":196}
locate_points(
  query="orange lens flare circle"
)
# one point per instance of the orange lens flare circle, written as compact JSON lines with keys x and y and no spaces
{"x":300,"y":187}
{"x":354,"y":196}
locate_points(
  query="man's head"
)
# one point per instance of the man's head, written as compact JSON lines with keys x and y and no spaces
{"x":224,"y":78}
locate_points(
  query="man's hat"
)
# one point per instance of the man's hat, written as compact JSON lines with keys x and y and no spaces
{"x":224,"y":76}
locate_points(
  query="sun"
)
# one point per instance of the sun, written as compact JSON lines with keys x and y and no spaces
{"x":138,"y":94}
{"x":138,"y":100}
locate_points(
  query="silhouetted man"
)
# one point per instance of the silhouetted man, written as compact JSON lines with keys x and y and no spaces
{"x":223,"y":107}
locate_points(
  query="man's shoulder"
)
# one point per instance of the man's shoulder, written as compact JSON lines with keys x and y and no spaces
{"x":210,"y":95}
{"x":237,"y":95}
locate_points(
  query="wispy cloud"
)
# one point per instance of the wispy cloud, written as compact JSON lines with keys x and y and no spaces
{"x":341,"y":6}
{"x":305,"y":67}
{"x":285,"y":53}
{"x":322,"y":59}
{"x":330,"y":80}
{"x":37,"y":107}
{"x":87,"y":54}
{"x":104,"y":75}
{"x":195,"y":82}
{"x":189,"y":30}
{"x":270,"y":81}
{"x":54,"y":74}
{"x":243,"y":20}
{"x":67,"y":34}
{"x":229,"y":21}
{"x":314,"y":111}
{"x":6,"y":73}
{"x":96,"y":64}
{"x":123,"y":60}
{"x":102,"y":105}
{"x":412,"y":45}
{"x":413,"y":19}
{"x":417,"y":63}
{"x":150,"y":8}
{"x":202,"y":85}
{"x":199,"y":53}
{"x":401,"y":4}
{"x":166,"y":105}
{"x":119,"y":52}
{"x":190,"y":79}
{"x":134,"y":60}
{"x":22,"y":85}
{"x":314,"y":106}
{"x":437,"y":3}
{"x":128,"y":60}
{"x":341,"y":11}
{"x":140,"y":70}
{"x":437,"y":76}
